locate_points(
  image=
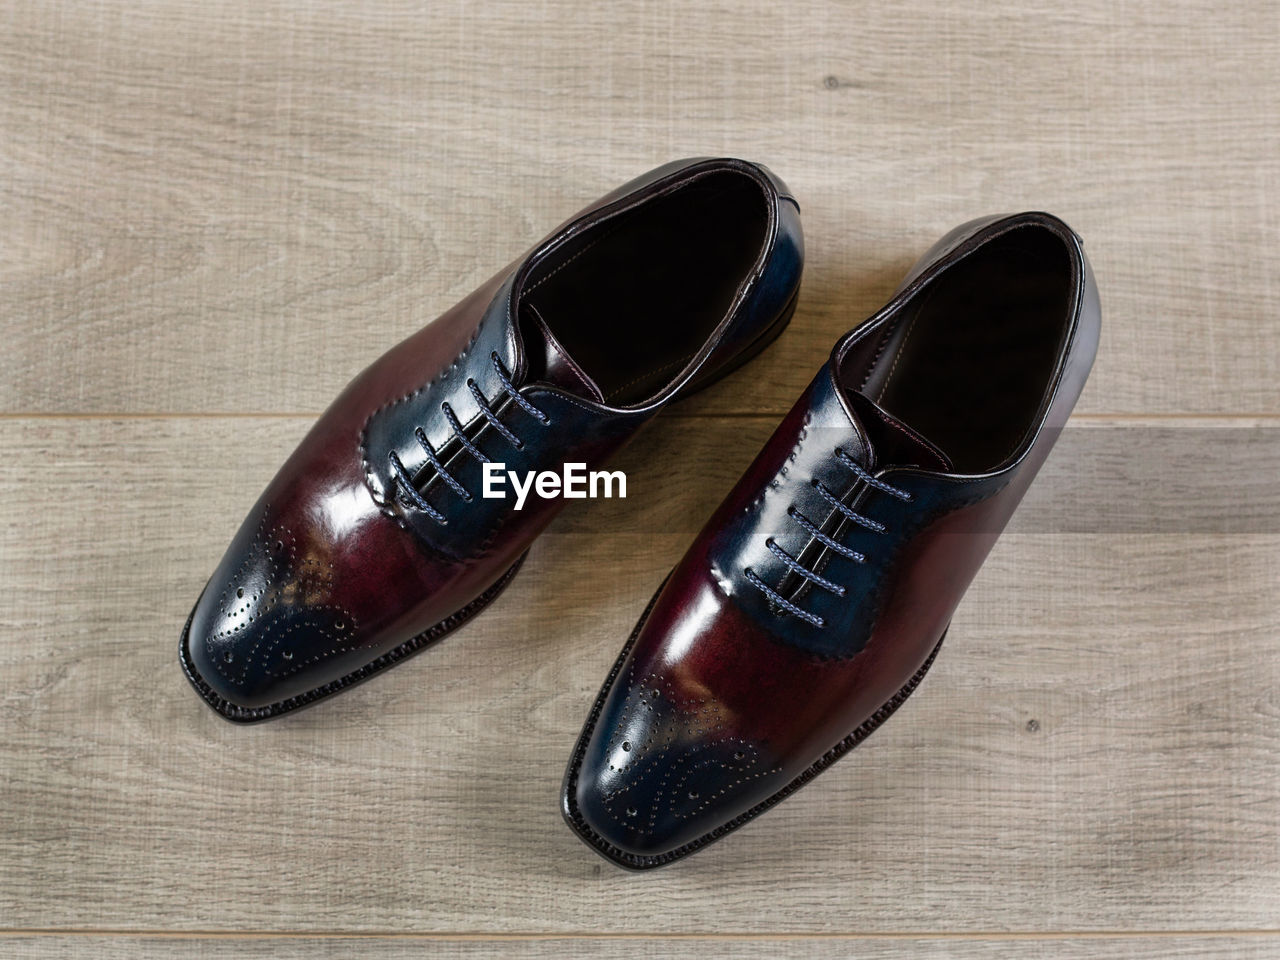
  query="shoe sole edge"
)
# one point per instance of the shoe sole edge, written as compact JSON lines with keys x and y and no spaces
{"x":236,"y":713}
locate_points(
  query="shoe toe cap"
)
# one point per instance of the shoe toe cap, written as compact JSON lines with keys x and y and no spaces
{"x":268,"y":627}
{"x":661,"y":772}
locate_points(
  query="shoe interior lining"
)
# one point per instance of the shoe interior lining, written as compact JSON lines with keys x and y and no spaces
{"x":971,"y":365}
{"x":633,"y":298}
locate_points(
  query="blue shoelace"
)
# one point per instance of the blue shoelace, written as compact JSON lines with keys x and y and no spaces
{"x":795,"y":566}
{"x":406,"y":481}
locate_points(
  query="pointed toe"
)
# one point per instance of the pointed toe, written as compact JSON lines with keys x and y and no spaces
{"x":266,"y":627}
{"x":648,"y":812}
{"x":661,"y":772}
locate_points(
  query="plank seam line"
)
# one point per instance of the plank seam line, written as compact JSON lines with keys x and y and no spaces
{"x":463,"y":936}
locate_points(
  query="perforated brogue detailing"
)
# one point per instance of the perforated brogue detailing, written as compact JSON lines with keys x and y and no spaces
{"x":673,"y":758}
{"x":275,"y":616}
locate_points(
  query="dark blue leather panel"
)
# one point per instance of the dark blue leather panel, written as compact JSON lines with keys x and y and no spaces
{"x":391,"y":428}
{"x":743,"y":543}
{"x":592,"y":430}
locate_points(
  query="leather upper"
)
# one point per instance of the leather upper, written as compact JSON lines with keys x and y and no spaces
{"x":338,"y":564}
{"x":723,"y":700}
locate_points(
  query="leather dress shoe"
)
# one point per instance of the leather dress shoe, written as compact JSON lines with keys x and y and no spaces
{"x":374,"y":538}
{"x":815,"y":599}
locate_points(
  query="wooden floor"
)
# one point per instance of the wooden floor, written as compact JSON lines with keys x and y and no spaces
{"x":212,"y":215}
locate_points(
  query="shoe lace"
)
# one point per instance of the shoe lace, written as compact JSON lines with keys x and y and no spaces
{"x":405,"y":480}
{"x":795,"y":566}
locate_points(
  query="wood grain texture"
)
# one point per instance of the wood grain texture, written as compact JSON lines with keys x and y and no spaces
{"x":573,"y":948}
{"x":1096,"y":749}
{"x":236,"y":206}
{"x":215,"y":214}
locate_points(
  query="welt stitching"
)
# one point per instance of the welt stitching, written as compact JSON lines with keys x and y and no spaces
{"x":578,"y":373}
{"x":902,"y":347}
{"x":576,"y":402}
{"x":905,"y":431}
{"x":906,"y":338}
{"x":884,"y":344}
{"x":605,"y":234}
{"x":644,"y":376}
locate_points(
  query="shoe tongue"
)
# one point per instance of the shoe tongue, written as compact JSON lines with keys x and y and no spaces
{"x":549,"y":362}
{"x":893,"y":443}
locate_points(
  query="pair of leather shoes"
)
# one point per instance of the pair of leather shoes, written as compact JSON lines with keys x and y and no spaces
{"x":815,"y":598}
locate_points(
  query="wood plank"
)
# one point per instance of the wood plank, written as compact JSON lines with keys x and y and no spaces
{"x":1095,"y":750}
{"x":578,"y":948}
{"x":1134,"y":475}
{"x":235,"y":207}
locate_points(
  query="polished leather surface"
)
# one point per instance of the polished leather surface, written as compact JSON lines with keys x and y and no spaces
{"x":722,"y":702}
{"x":336,"y":569}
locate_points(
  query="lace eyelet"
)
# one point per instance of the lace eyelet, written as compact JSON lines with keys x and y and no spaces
{"x":785,"y":605}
